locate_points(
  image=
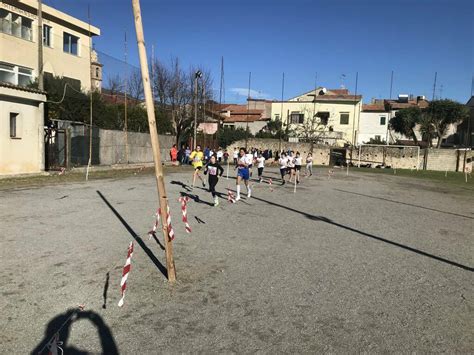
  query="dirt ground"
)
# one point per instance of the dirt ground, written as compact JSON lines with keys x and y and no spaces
{"x":358,"y":263}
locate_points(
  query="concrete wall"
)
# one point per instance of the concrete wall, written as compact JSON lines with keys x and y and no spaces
{"x":395,"y":157}
{"x":442,"y":160}
{"x":321,"y":154}
{"x":24,"y":153}
{"x":112,"y":147}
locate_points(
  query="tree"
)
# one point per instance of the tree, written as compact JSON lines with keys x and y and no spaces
{"x":273,"y":129}
{"x":312,"y":128}
{"x":405,"y":120}
{"x":135,"y":85}
{"x":442,"y":113}
{"x":228,"y":135}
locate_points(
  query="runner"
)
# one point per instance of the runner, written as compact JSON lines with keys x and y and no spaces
{"x":235,"y":155}
{"x":283,"y":161}
{"x":243,"y":173}
{"x":250,"y":159}
{"x":309,"y":164}
{"x":298,"y":163}
{"x":291,"y":165}
{"x":215,"y":170}
{"x":260,"y":166}
{"x":196,"y":157}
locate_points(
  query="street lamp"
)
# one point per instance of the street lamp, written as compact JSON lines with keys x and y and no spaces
{"x":197,"y":76}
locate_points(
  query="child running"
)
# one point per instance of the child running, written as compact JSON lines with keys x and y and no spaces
{"x":291,"y":165}
{"x":196,"y":157}
{"x":260,"y":166}
{"x":309,"y":164}
{"x":215,"y":170}
{"x":243,"y":173}
{"x":298,"y":163}
{"x":283,"y":161}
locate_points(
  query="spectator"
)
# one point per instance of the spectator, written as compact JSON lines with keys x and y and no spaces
{"x":174,"y":153}
{"x":187,"y":154}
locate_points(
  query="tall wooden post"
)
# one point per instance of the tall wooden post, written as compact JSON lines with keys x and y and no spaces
{"x":40,"y":46}
{"x":160,"y":181}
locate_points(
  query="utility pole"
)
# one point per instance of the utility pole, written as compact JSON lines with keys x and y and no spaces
{"x":160,"y":180}
{"x":434,"y":86}
{"x":390,"y":110}
{"x":90,"y":95}
{"x":248,"y":107}
{"x":355,"y":105}
{"x":197,"y":75}
{"x":125,"y":103}
{"x":40,"y":46}
{"x":281,"y":111}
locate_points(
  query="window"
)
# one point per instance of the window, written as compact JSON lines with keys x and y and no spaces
{"x":16,"y":25}
{"x":324,"y":117}
{"x":47,"y":38}
{"x":70,"y":43}
{"x":297,"y":118}
{"x":382,"y":120}
{"x":14,"y":125}
{"x":97,"y":72}
{"x":13,"y":74}
{"x":344,"y":118}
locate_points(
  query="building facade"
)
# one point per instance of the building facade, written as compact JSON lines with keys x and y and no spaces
{"x":373,"y":124}
{"x":66,"y":44}
{"x":21,"y":130}
{"x":330,"y":115}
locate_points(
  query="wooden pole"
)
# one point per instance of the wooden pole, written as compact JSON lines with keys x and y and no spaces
{"x":160,"y":181}
{"x":125,"y":102}
{"x":89,"y":163}
{"x":40,"y":46}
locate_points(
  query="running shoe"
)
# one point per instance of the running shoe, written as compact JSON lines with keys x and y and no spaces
{"x":203,"y":184}
{"x":237,"y":198}
{"x":249,"y":193}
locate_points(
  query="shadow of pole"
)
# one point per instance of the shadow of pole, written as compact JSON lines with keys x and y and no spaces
{"x":399,"y":245}
{"x":61,"y":325}
{"x":135,"y":236}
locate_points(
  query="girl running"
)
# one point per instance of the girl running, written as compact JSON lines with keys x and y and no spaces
{"x":309,"y":164}
{"x":243,"y":173}
{"x":196,"y":157}
{"x":215,"y":170}
{"x":298,"y":163}
{"x":260,"y":166}
{"x":283,"y":161}
{"x":291,"y":165}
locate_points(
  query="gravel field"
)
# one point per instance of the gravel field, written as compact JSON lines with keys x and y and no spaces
{"x":359,"y":263}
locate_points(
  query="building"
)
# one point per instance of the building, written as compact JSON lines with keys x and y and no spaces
{"x":242,"y":116}
{"x":373,"y":123}
{"x":465,"y":129}
{"x":66,"y":44}
{"x":325,"y":115}
{"x":21,"y":130}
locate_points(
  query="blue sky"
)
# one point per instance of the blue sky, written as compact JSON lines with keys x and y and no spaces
{"x":415,"y":39}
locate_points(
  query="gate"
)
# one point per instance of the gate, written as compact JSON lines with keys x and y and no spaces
{"x":55,"y":149}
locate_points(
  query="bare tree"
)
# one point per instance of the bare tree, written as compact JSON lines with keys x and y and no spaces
{"x":135,"y":85}
{"x":115,"y":84}
{"x":313,"y":127}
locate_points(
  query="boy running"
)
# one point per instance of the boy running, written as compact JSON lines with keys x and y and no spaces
{"x":298,"y":163}
{"x":196,"y":157}
{"x":291,"y":165}
{"x":215,"y":170}
{"x":260,"y":166}
{"x":243,"y":173}
{"x":283,"y":166}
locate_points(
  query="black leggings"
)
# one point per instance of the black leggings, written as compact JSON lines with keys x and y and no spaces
{"x":212,"y":185}
{"x":260,"y":171}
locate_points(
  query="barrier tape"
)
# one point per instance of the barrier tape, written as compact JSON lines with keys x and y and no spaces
{"x":126,"y":270}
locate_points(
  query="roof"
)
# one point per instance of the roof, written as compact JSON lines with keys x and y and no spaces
{"x":395,"y":105}
{"x":22,"y":88}
{"x":245,"y":118}
{"x":373,"y":108}
{"x":334,"y":93}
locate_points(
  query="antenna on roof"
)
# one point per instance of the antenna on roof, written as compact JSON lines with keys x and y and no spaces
{"x":434,"y":86}
{"x":343,"y":78}
{"x":222,"y":85}
{"x":391,"y":85}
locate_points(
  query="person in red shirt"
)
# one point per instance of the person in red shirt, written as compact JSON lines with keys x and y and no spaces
{"x":174,"y":153}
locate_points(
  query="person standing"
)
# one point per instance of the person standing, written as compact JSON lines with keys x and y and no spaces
{"x":197,"y":157}
{"x":174,"y":153}
{"x":213,"y":170}
{"x":187,"y":153}
{"x":309,"y":164}
{"x":235,"y":156}
{"x":298,"y":163}
{"x":243,"y":173}
{"x":226,"y":156}
{"x":219,"y":154}
{"x":283,"y":162}
{"x":260,"y":166}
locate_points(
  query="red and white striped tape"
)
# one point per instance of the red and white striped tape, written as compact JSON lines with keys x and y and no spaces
{"x":270,"y":182}
{"x":157,"y":222}
{"x":155,"y":226}
{"x":230,"y":196}
{"x":126,"y":270}
{"x":168,"y":223}
{"x":184,"y":200}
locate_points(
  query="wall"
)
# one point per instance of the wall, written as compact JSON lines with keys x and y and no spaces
{"x":370,"y":126}
{"x":395,"y":157}
{"x":112,"y":147}
{"x":334,"y":108}
{"x":321,"y":154}
{"x":56,"y":61}
{"x":26,"y":153}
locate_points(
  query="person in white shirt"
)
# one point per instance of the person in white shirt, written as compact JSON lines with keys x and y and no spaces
{"x":260,"y":166}
{"x":249,"y":157}
{"x":291,"y":165}
{"x":298,"y":163}
{"x":243,"y":173}
{"x":283,"y":161}
{"x":235,"y":156}
{"x":309,"y":164}
{"x":219,"y":155}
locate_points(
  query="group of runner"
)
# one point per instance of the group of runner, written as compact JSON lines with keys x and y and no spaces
{"x":289,"y":165}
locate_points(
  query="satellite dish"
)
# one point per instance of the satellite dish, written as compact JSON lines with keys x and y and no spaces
{"x":323,"y":91}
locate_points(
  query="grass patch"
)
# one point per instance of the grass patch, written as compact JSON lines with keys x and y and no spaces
{"x":452,"y":178}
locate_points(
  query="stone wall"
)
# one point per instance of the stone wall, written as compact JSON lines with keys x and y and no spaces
{"x":395,"y":157}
